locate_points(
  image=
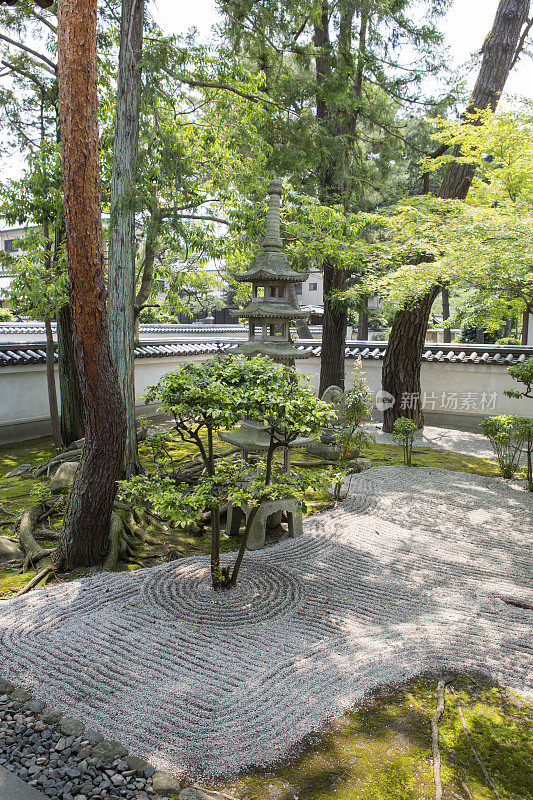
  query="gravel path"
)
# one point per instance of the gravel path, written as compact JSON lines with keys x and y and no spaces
{"x":472,"y":444}
{"x":418,"y":569}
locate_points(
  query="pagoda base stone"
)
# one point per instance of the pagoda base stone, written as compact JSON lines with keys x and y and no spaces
{"x":256,"y":540}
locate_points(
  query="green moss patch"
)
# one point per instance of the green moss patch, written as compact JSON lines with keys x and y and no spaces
{"x":382,"y":749}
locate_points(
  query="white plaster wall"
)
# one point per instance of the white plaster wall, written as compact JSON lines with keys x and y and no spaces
{"x":24,"y":398}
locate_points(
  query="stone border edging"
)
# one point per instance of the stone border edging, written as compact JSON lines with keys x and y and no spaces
{"x":105,"y":750}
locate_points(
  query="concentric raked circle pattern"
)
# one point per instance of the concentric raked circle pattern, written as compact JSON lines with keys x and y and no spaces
{"x":263,"y":591}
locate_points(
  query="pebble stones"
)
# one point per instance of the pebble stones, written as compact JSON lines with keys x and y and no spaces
{"x":58,"y":757}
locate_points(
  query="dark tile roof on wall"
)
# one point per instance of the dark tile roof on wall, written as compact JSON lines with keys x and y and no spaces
{"x":463,"y":354}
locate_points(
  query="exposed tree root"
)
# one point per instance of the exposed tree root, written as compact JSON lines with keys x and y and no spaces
{"x":41,"y":579}
{"x":116,"y":530}
{"x":67,"y":455}
{"x":474,"y":752}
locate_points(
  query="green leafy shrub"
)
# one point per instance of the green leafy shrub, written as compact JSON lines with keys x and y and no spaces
{"x":404,"y":433}
{"x":205,"y":399}
{"x":506,"y":434}
{"x":355,"y":410}
{"x":523,"y":373}
{"x":508,"y":340}
{"x":6,"y":315}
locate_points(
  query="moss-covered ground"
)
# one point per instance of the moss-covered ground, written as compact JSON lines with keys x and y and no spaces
{"x":380,"y":750}
{"x":16,"y":494}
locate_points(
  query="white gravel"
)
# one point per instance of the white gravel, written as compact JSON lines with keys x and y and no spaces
{"x":414,"y":571}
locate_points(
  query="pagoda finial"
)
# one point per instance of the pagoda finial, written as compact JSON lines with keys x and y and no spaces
{"x":272,"y":235}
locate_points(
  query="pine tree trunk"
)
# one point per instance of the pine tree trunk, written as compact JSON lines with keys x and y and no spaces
{"x":72,"y":424}
{"x":51,"y":384}
{"x":445,"y":294}
{"x":121,"y":281}
{"x":401,"y":366}
{"x":362,"y":328}
{"x":85,"y":536}
{"x":499,"y":50}
{"x":333,"y":333}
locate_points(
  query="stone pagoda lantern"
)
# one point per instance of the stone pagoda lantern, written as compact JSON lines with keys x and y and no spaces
{"x":273,"y":305}
{"x":269,"y":315}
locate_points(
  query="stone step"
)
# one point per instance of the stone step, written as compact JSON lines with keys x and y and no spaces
{"x":13,"y":788}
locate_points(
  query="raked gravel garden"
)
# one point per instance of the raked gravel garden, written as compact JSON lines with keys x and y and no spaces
{"x":419,"y":570}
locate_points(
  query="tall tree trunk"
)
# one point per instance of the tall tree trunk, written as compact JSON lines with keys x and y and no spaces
{"x":121,"y":279}
{"x":85,"y":536}
{"x":445,"y":294}
{"x":50,"y":351}
{"x":334,"y":322}
{"x":72,"y":422}
{"x":333,"y":333}
{"x":362,"y":327}
{"x":404,"y":353}
{"x":51,"y":384}
{"x":525,"y":326}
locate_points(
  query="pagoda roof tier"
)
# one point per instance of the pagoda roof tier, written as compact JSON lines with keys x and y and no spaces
{"x":251,"y":438}
{"x":282,"y":350}
{"x":271,"y":265}
{"x":260,"y":309}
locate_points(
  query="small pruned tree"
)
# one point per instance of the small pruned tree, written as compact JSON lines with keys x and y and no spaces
{"x":523,"y":373}
{"x":213,"y":396}
{"x":355,"y":409}
{"x":404,"y":433}
{"x":506,"y":434}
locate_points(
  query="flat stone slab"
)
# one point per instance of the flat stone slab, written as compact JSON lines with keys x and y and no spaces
{"x":419,"y":569}
{"x":13,"y":788}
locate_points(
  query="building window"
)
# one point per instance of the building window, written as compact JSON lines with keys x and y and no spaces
{"x":9,"y":245}
{"x":313,"y":287}
{"x":298,"y":288}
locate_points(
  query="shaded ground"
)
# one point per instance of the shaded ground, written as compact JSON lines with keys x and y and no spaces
{"x":419,"y":569}
{"x":381,"y":750}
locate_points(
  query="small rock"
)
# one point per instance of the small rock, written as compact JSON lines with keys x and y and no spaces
{"x":164,"y":783}
{"x":193,"y":794}
{"x":92,"y":737}
{"x":35,"y":706}
{"x":60,"y":746}
{"x":359,"y":465}
{"x":118,"y":780}
{"x":138,"y":764}
{"x":51,"y":715}
{"x":10,"y":551}
{"x":64,"y":477}
{"x":71,"y":727}
{"x":107,"y":750}
{"x":20,"y":696}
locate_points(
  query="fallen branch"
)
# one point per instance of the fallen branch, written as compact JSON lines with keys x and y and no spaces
{"x":435,"y":752}
{"x":479,"y":761}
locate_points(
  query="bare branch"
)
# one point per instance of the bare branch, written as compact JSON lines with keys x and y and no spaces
{"x":32,"y":52}
{"x":522,"y":42}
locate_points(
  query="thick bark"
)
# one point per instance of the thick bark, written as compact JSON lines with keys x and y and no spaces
{"x":401,"y":366}
{"x":525,"y":325}
{"x":403,"y":355}
{"x":499,"y":50}
{"x":85,"y":535}
{"x":333,"y":333}
{"x":445,"y":294}
{"x":147,"y":264}
{"x":122,"y":230}
{"x":72,"y":423}
{"x":362,"y":327}
{"x":332,"y":187}
{"x":51,"y":384}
